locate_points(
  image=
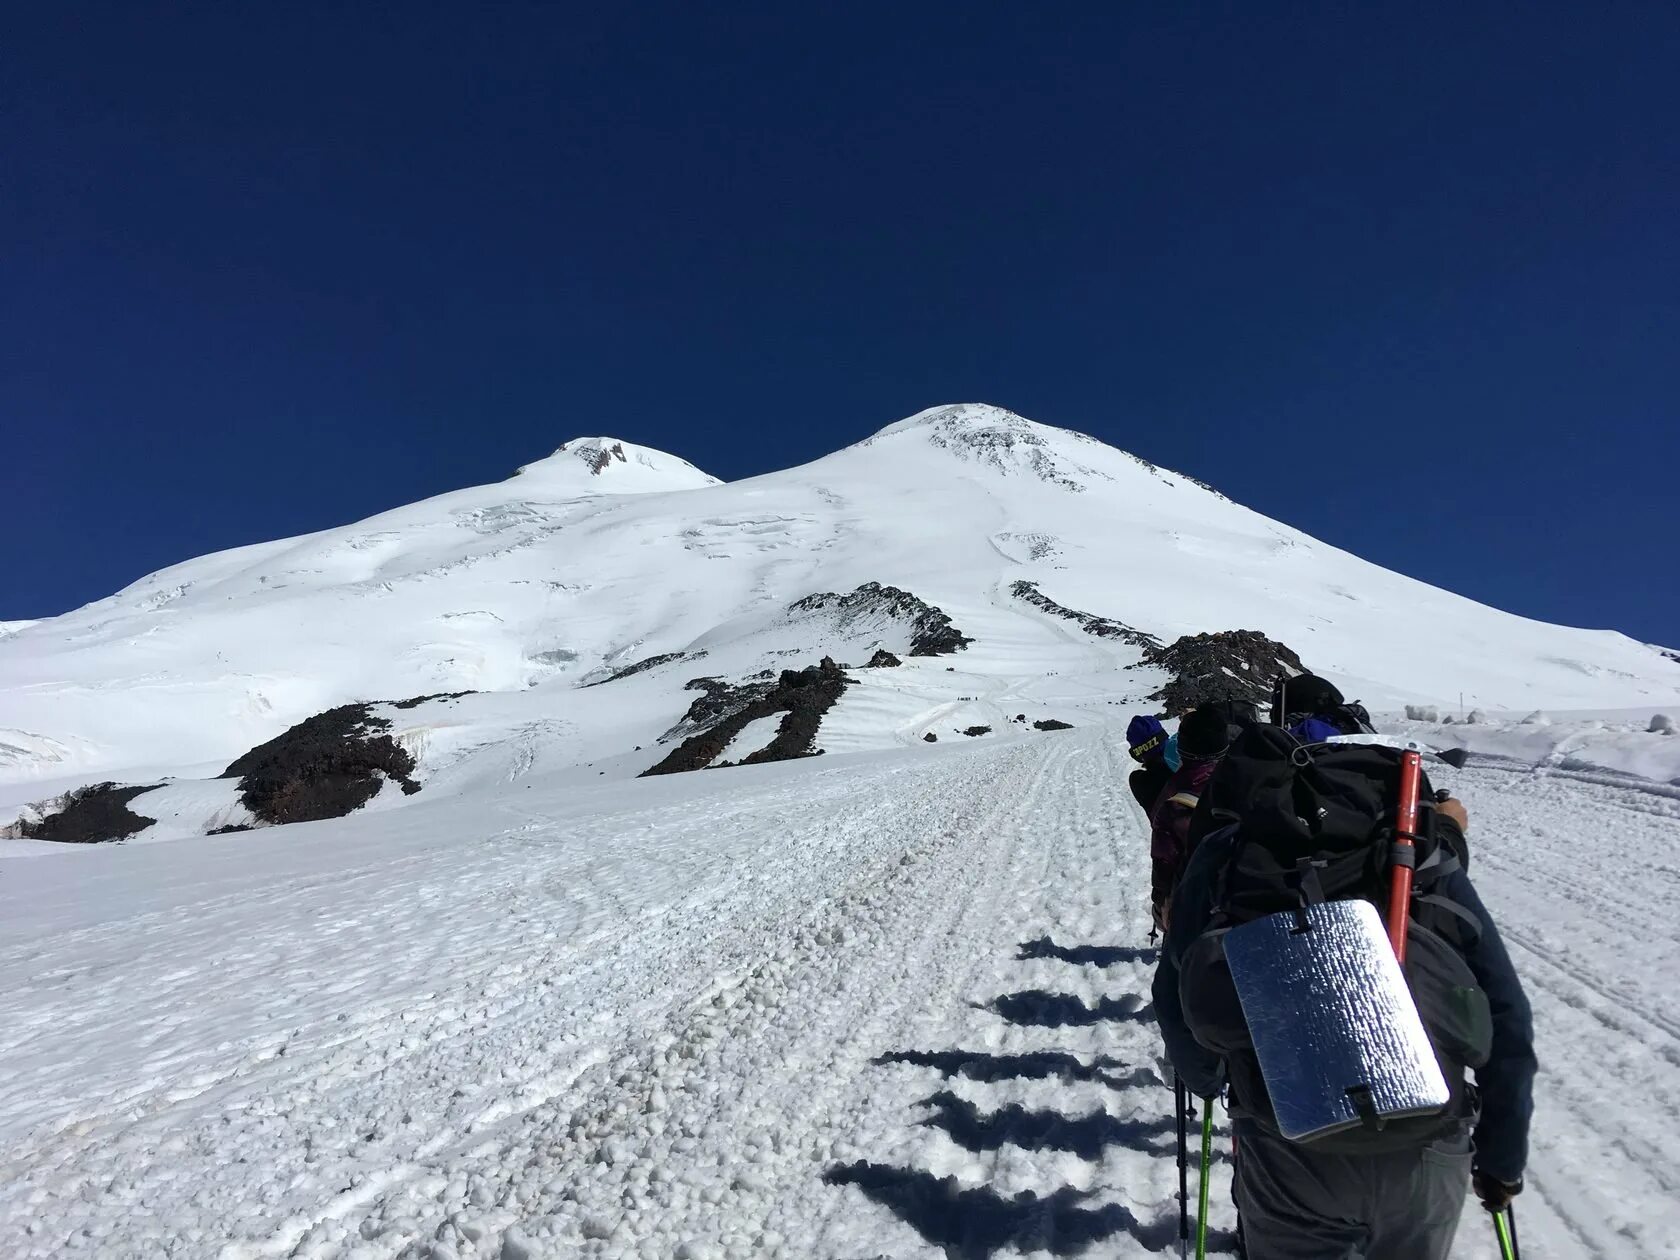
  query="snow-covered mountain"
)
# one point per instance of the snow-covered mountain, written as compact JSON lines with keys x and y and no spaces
{"x":1059,"y":558}
{"x":892,"y":1001}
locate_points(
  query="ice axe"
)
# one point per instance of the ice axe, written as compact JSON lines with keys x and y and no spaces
{"x":1402,"y":860}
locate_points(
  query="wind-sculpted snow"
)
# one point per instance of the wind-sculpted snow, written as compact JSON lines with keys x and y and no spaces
{"x":892,"y":1005}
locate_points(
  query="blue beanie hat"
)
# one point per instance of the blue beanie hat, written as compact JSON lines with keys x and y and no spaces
{"x":1144,"y":736}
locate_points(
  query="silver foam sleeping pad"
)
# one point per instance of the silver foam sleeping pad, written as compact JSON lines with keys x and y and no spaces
{"x":1334,"y":1025}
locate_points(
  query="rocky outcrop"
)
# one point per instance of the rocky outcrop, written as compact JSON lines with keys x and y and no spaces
{"x":931,"y":631}
{"x":883,"y":659}
{"x":642,"y":666}
{"x":804,"y":695}
{"x":1102,"y":627}
{"x":717,"y":702}
{"x":596,"y":456}
{"x":974,"y":731}
{"x":94,"y":814}
{"x":1225,"y":665}
{"x":324,"y":767}
{"x":414,"y":702}
{"x":1052,"y":724}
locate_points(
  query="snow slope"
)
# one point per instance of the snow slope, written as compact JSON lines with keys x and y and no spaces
{"x":892,"y":1004}
{"x":606,"y":554}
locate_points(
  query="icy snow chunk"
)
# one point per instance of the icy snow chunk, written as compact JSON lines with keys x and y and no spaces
{"x":1661,"y":724}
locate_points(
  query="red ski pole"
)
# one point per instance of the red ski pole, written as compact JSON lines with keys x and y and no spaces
{"x":1404,"y":856}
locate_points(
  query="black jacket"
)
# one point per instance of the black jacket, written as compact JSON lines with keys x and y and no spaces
{"x":1505,"y":1082}
{"x":1147,"y":781}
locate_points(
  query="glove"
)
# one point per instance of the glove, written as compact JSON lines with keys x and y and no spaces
{"x":1496,"y":1195}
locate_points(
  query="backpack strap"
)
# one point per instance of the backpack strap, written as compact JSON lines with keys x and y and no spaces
{"x":1187,"y":799}
{"x":1463,"y":918}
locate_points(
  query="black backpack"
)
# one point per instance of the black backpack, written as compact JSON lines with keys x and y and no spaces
{"x":1310,"y":824}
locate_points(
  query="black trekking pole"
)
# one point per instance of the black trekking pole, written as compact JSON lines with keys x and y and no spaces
{"x":1179,"y":1094}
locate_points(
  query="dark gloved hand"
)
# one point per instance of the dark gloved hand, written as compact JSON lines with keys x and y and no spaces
{"x":1496,"y":1195}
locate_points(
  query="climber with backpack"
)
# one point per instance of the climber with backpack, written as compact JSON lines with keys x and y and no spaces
{"x":1146,"y":742}
{"x":1202,"y":737}
{"x":1313,"y":709}
{"x":1342,"y":1044}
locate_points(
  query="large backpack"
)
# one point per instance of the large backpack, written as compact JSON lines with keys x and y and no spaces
{"x":1316,"y":823}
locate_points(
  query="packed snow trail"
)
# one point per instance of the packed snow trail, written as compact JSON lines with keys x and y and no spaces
{"x":890,"y":1005}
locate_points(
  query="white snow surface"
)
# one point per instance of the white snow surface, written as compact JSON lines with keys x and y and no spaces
{"x":562,"y":575}
{"x":890,"y":1002}
{"x":887,"y":1004}
{"x":754,"y":736}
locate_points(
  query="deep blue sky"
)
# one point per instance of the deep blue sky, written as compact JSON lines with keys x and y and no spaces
{"x":1407,"y":277}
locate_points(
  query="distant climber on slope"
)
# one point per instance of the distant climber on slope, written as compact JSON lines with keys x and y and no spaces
{"x":1146,"y":741}
{"x":1314,"y":711}
{"x":1203,"y":735}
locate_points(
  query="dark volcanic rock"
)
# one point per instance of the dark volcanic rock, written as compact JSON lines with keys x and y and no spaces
{"x":1102,"y":627}
{"x":1052,"y":724}
{"x":324,"y":767}
{"x":931,"y":631}
{"x":91,"y":815}
{"x":652,"y":662}
{"x":1226,"y":665}
{"x":229,"y":829}
{"x":717,"y":702}
{"x":596,"y":458}
{"x":977,"y":730}
{"x":883,"y":659}
{"x":931,"y":738}
{"x":414,"y":702}
{"x":804,"y":695}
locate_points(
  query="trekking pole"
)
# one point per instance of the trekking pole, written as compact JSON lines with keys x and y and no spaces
{"x":1511,"y":1220}
{"x":1202,"y":1198}
{"x":1403,"y":856}
{"x":1179,"y":1094}
{"x":1505,"y":1228}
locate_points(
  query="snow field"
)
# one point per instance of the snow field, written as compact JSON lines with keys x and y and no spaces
{"x":887,"y":1005}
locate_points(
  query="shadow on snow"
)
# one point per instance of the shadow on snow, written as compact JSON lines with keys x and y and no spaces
{"x":1043,"y":1009}
{"x":1095,"y":955}
{"x":976,"y":1223}
{"x":1037,"y":1065}
{"x":1085,"y":1136}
